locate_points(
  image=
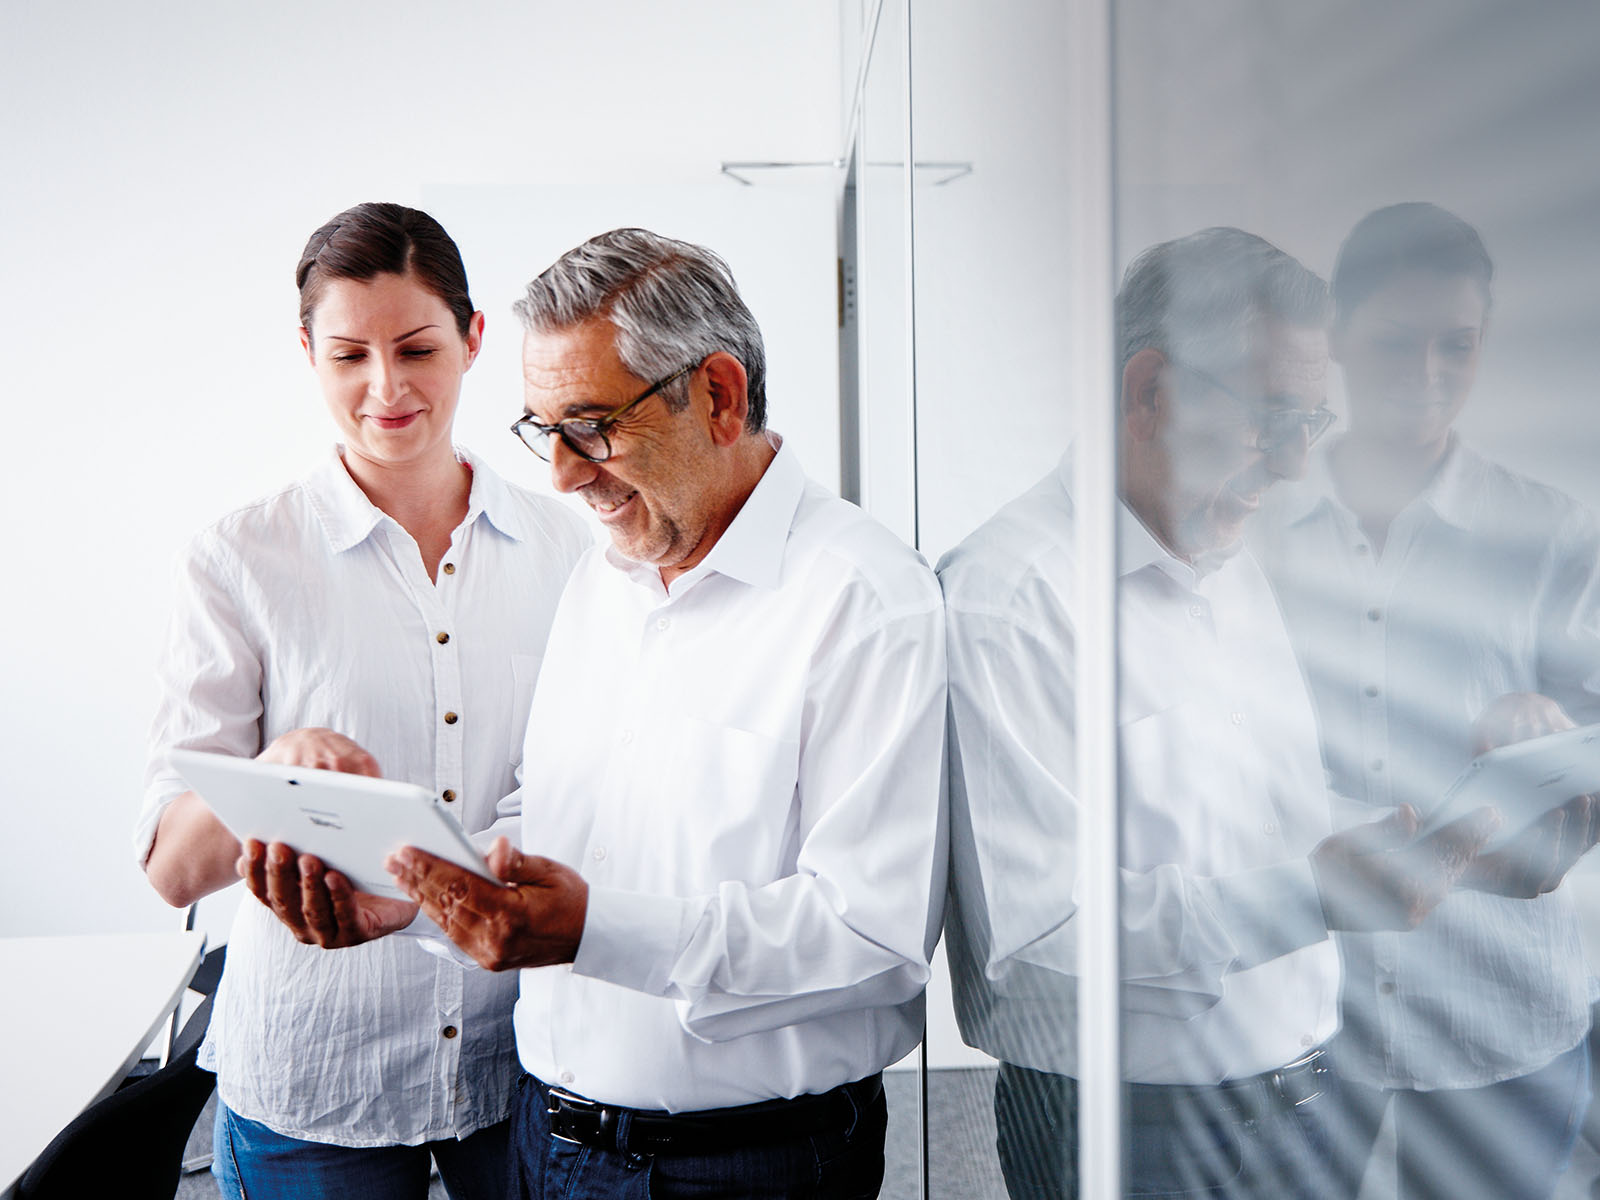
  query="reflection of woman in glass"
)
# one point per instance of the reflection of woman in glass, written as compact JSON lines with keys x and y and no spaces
{"x":1440,"y":603}
{"x":401,"y":593}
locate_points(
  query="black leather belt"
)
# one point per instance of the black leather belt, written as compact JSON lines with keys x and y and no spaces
{"x":587,"y":1122}
{"x":1268,"y":1094}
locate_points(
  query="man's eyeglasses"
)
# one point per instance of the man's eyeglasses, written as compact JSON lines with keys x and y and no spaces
{"x":1275,"y":427}
{"x":587,"y":437}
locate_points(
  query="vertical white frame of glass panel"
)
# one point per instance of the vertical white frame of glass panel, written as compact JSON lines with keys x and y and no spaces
{"x":885,"y":428}
{"x":1090,"y":366}
{"x":906,"y":156}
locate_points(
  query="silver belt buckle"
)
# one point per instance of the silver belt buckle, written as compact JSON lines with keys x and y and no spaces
{"x":559,"y":1098}
{"x":1305,"y":1063}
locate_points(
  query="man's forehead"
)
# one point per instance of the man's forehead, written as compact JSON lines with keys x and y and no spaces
{"x":579,"y":349}
{"x":571,"y":370}
{"x":1290,"y":360}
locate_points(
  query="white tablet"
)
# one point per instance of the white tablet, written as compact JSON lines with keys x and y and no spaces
{"x":351,"y":822}
{"x":1524,"y":781}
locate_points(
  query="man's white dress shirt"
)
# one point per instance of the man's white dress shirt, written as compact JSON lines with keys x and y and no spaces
{"x":1488,"y":583}
{"x":311,"y":607}
{"x":745,"y":769}
{"x":1228,"y":967}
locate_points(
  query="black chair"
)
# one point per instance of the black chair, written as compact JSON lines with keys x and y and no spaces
{"x":130,"y":1144}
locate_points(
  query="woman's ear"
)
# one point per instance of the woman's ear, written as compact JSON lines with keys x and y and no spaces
{"x":474,"y":337}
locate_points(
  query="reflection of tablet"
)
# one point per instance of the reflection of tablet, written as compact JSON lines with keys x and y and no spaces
{"x":351,"y":822}
{"x":1524,"y":780}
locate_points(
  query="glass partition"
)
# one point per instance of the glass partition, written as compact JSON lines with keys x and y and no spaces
{"x":1384,"y":1022}
{"x":1355,"y":551}
{"x":995,"y":416}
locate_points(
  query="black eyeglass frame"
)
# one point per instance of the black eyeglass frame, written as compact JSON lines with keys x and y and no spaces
{"x":595,"y":426}
{"x":1289,"y":420}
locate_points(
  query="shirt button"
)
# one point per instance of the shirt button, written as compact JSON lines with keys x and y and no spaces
{"x":449,"y":1031}
{"x":1386,"y":988}
{"x":448,"y":795}
{"x":1197,"y":611}
{"x":1377,"y":764}
{"x":1374,"y":614}
{"x":1270,"y":828}
{"x":1237,"y":718}
{"x":1363,"y":548}
{"x":441,"y":637}
{"x":663,"y":623}
{"x":1371,"y":689}
{"x":449,"y":568}
{"x":567,"y":1077}
{"x":599,"y":854}
{"x":450,"y":718}
{"x":627,"y":736}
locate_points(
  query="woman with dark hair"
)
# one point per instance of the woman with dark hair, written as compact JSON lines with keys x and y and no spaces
{"x":400,"y":593}
{"x":1441,"y":604}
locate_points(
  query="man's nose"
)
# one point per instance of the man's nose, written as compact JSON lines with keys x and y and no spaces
{"x":569,"y":470}
{"x":1288,"y":458}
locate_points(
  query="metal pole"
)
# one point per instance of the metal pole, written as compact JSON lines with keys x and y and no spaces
{"x":1091,"y":365}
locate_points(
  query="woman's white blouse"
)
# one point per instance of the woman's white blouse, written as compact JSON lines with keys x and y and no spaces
{"x":311,"y":607}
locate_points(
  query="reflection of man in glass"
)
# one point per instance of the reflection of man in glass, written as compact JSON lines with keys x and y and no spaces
{"x":1231,"y":879}
{"x":1440,"y":604}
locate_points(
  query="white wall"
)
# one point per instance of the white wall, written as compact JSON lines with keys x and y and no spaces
{"x":163,"y":165}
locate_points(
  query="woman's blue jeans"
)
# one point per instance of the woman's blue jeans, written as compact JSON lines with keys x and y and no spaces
{"x":251,"y":1162}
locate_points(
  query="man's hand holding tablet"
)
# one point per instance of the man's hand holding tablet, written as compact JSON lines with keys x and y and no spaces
{"x":535,"y":921}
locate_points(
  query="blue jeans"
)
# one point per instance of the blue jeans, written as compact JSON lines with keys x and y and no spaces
{"x":251,"y":1162}
{"x":1198,"y":1150}
{"x":1507,"y":1141}
{"x":836,"y":1164}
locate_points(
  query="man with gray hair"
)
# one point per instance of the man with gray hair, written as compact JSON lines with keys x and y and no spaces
{"x":734,"y":856}
{"x":1231,"y":876}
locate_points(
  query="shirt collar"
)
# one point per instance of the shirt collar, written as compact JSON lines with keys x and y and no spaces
{"x":348,"y":517}
{"x":751,"y":548}
{"x":491,"y":497}
{"x":1453,"y":493}
{"x":1137,"y":547}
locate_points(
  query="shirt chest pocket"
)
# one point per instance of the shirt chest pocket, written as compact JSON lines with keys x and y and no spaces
{"x":725,"y":800}
{"x":1185,"y":791}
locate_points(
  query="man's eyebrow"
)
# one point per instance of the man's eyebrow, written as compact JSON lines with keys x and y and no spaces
{"x":1282,"y":400}
{"x":576,"y":409}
